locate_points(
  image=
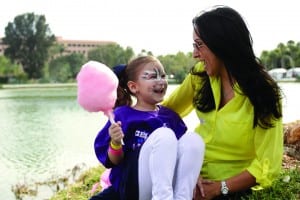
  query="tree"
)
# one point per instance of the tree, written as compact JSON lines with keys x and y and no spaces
{"x":111,"y":54}
{"x":144,"y":52}
{"x":177,"y":65}
{"x":56,"y":50}
{"x":9,"y":70}
{"x":284,"y":55}
{"x":64,"y":68}
{"x":59,"y":69}
{"x":28,"y":39}
{"x":76,"y":60}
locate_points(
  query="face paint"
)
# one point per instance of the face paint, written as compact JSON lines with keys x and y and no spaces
{"x":154,"y":75}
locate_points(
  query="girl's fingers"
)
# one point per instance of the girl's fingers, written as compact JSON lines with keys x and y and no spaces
{"x":115,"y":132}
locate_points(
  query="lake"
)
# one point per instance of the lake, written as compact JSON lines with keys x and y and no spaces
{"x":44,"y":132}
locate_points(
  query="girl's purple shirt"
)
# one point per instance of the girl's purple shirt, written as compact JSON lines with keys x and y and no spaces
{"x":137,"y":126}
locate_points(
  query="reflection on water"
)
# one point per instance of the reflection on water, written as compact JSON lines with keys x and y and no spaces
{"x":44,"y":132}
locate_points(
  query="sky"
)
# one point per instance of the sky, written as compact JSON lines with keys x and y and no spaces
{"x":160,"y":26}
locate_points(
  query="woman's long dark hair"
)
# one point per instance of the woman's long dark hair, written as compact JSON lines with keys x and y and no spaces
{"x":225,"y":33}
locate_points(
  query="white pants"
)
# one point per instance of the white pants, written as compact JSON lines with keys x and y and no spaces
{"x":169,"y":168}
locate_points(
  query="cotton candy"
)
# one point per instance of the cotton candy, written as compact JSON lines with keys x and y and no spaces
{"x":97,"y":87}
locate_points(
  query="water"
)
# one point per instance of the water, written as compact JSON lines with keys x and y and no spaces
{"x":291,"y":100}
{"x":44,"y":132}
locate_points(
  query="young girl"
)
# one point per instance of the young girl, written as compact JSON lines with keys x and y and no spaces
{"x":156,"y":161}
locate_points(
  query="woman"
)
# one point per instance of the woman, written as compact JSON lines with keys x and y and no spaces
{"x":238,"y":105}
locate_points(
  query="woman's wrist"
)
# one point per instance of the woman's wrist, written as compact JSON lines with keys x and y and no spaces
{"x":224,"y":190}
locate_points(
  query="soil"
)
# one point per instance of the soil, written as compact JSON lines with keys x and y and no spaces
{"x":290,"y":162}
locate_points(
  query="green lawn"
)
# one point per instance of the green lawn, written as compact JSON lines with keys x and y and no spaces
{"x":286,"y":187}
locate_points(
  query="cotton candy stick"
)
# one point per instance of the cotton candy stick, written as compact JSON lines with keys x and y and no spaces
{"x":97,"y":88}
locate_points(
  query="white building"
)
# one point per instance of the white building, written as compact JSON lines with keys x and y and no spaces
{"x":293,"y":72}
{"x":278,"y":73}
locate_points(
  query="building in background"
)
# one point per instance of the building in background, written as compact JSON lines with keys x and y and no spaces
{"x":282,"y":74}
{"x":80,"y":46}
{"x":278,"y":73}
{"x":72,"y":46}
{"x":293,"y":72}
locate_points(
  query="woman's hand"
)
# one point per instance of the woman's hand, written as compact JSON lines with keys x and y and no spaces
{"x":211,"y":189}
{"x":199,"y":191}
{"x":206,"y":189}
{"x":115,"y":132}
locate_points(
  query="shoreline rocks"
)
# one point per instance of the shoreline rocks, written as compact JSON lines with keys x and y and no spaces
{"x":46,"y":189}
{"x":291,"y":133}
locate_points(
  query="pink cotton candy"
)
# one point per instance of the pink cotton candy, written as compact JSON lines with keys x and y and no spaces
{"x":97,"y":87}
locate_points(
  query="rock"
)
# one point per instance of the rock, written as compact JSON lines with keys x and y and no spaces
{"x":292,"y":139}
{"x":294,"y":134}
{"x":46,"y":189}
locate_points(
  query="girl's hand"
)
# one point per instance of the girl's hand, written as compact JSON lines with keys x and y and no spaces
{"x":115,"y":132}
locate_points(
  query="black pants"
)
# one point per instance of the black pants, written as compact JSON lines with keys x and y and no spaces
{"x":107,"y":194}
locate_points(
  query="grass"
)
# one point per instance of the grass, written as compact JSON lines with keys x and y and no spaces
{"x":81,"y":189}
{"x":287,"y":186}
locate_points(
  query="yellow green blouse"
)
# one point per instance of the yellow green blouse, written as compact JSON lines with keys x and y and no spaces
{"x":232,"y":144}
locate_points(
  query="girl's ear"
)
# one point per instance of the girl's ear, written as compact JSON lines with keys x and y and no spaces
{"x":132,"y":86}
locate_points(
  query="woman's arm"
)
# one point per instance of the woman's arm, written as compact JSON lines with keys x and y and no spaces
{"x":181,"y":99}
{"x":268,"y":146}
{"x":211,"y":189}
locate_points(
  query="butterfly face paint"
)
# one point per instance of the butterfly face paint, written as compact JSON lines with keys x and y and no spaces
{"x":157,"y":78}
{"x":155,"y":75}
